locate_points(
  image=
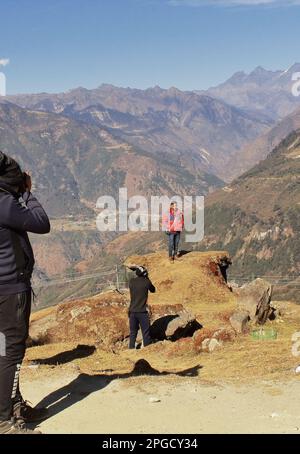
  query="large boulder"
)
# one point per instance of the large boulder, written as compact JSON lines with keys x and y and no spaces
{"x":175,"y":326}
{"x":239,"y":321}
{"x":255,"y":299}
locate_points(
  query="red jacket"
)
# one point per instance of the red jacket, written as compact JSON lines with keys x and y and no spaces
{"x":173,"y":221}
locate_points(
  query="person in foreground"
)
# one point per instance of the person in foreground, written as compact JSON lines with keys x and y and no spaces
{"x":139,"y":287}
{"x":20,"y":212}
{"x":173,"y":225}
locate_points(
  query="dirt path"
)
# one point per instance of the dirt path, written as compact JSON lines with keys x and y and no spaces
{"x":84,"y":404}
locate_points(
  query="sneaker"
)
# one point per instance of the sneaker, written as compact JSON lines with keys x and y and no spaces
{"x":23,"y":412}
{"x":171,"y":259}
{"x":13,"y":428}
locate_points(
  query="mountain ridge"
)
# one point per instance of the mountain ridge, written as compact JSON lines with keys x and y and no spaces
{"x":261,"y":91}
{"x":178,"y":124}
{"x":257,"y":217}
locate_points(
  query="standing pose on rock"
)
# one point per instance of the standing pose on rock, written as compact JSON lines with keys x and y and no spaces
{"x":173,"y":225}
{"x":20,"y":213}
{"x":139,"y":288}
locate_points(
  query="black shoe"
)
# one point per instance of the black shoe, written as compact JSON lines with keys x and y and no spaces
{"x":13,"y":428}
{"x":24,"y":412}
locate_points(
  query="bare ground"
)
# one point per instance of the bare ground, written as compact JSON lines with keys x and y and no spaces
{"x":80,"y":403}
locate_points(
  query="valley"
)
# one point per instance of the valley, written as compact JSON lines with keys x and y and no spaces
{"x":83,"y":143}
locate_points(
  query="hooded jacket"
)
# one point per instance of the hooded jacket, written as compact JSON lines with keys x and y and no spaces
{"x":173,"y":221}
{"x":139,"y":288}
{"x":18,"y":215}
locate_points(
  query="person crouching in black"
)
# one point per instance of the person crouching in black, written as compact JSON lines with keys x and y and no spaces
{"x":139,"y":288}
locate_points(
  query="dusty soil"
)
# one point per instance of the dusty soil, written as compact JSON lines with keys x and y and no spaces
{"x":245,"y":387}
{"x":80,"y":403}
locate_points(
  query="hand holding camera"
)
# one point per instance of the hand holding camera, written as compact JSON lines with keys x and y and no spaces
{"x":27,"y":181}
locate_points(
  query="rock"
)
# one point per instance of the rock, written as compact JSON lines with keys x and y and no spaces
{"x":200,"y":336}
{"x":255,"y":298}
{"x":205,"y":344}
{"x":154,"y":400}
{"x":224,"y":334}
{"x":233,"y":285}
{"x":100,"y":320}
{"x":239,"y":321}
{"x":173,"y":324}
{"x":185,"y":325}
{"x":280,"y":308}
{"x":211,"y":344}
{"x":103,"y":321}
{"x":214,"y":344}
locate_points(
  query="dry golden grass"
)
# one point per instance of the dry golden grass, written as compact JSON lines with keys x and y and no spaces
{"x":190,"y":282}
{"x":241,"y":360}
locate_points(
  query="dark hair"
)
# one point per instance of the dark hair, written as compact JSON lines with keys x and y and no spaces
{"x":3,"y":160}
{"x":141,"y":271}
{"x":10,"y":171}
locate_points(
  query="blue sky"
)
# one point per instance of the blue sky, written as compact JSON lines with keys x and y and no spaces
{"x":55,"y":45}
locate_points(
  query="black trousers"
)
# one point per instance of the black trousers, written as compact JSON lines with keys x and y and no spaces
{"x":14,"y":327}
{"x":137,"y":320}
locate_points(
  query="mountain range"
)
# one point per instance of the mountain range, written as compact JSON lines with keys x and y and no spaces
{"x":73,"y":163}
{"x":192,"y":130}
{"x":267,"y":94}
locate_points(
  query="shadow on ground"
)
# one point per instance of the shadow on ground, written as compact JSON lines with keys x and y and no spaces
{"x":84,"y":385}
{"x":81,"y":351}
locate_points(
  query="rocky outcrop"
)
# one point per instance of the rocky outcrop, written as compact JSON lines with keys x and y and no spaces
{"x":187,"y":298}
{"x":255,"y":299}
{"x":103,"y":321}
{"x":100,"y":320}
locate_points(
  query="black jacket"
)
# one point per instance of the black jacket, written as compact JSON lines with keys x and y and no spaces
{"x":17,"y":217}
{"x":139,"y":288}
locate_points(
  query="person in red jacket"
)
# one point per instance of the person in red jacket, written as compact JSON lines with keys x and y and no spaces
{"x":173,"y":225}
